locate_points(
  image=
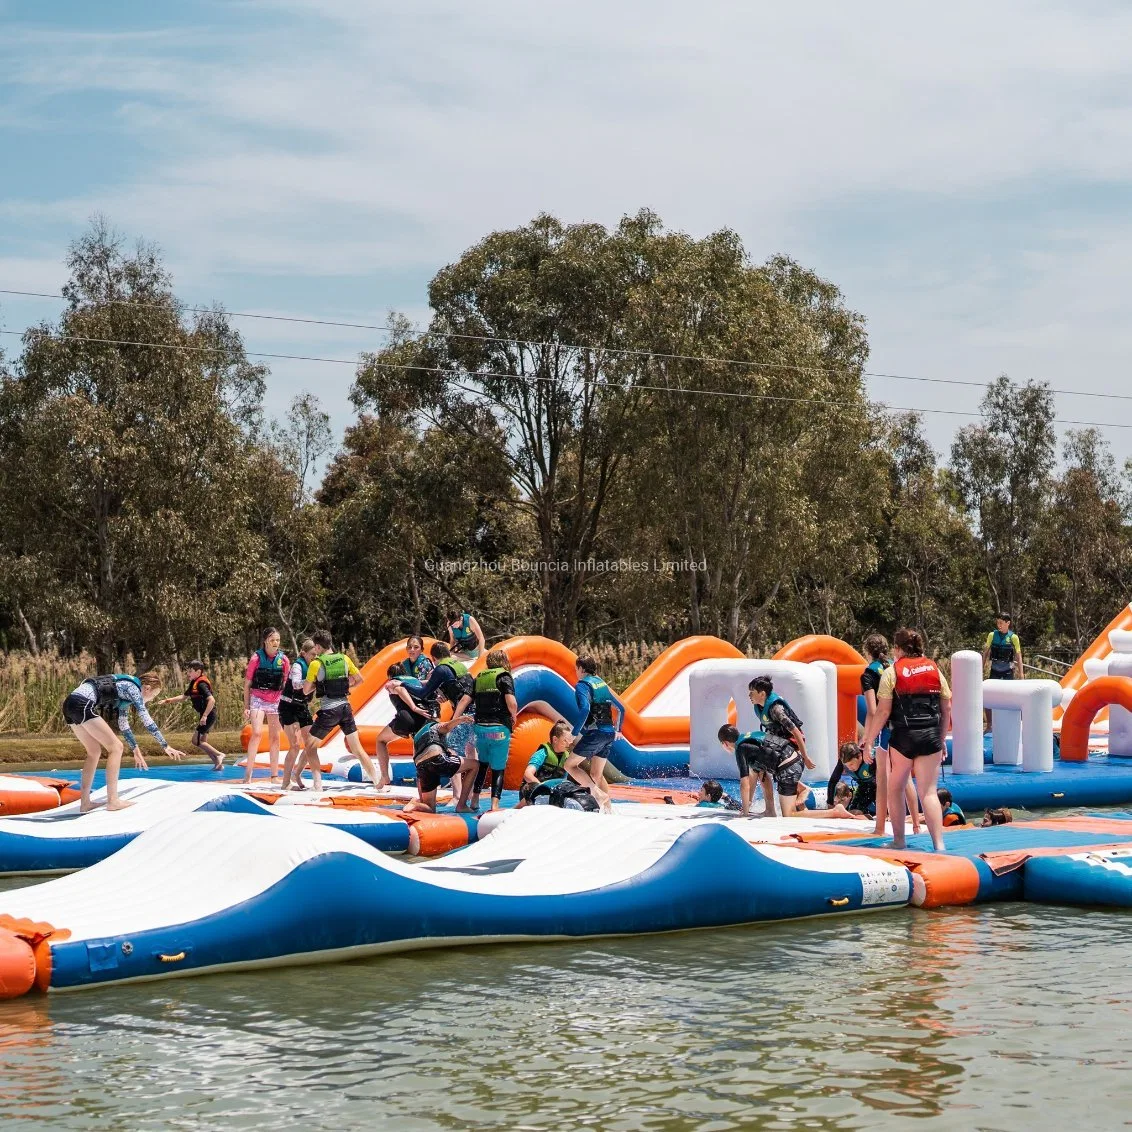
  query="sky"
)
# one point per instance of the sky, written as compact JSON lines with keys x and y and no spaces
{"x":962,"y":172}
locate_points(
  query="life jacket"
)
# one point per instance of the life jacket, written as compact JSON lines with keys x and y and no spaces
{"x":916,"y":696}
{"x":295,"y":695}
{"x":333,"y":679}
{"x":953,"y":815}
{"x":268,"y":675}
{"x":864,"y":783}
{"x":428,"y":736}
{"x":106,"y":689}
{"x":415,"y":689}
{"x":553,"y":765}
{"x":463,"y":683}
{"x":767,"y":752}
{"x":196,"y":696}
{"x":870,"y":678}
{"x":418,"y":669}
{"x":601,"y":704}
{"x":770,"y":725}
{"x":462,"y":635}
{"x":491,"y":706}
{"x":565,"y":794}
{"x":1002,"y":651}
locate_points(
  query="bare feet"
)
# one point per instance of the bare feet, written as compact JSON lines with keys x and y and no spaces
{"x":121,"y":804}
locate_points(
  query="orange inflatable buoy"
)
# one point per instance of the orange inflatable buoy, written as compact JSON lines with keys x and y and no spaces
{"x":17,"y":965}
{"x":1083,"y":708}
{"x":431,"y":835}
{"x":531,"y":731}
{"x":20,"y":794}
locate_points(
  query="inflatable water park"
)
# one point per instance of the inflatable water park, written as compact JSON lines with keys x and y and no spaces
{"x":206,"y":874}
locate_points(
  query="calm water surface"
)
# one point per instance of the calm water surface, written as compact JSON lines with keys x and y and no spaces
{"x":1008,"y":1017}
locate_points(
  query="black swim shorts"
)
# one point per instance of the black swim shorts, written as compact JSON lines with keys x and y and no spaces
{"x":329,"y":718}
{"x":435,"y":769}
{"x":294,"y":711}
{"x":914,"y":743}
{"x":78,"y":709}
{"x":406,"y":723}
{"x":204,"y":726}
{"x":786,"y":778}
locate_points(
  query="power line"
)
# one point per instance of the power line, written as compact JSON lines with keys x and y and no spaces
{"x":532,"y":379}
{"x":574,"y":346}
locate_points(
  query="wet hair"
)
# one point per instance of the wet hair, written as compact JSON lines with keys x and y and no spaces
{"x":497,"y":658}
{"x":323,"y":639}
{"x":452,"y":615}
{"x":306,"y":644}
{"x":394,"y":671}
{"x":559,"y":729}
{"x":842,"y":793}
{"x":849,"y":751}
{"x":944,"y":796}
{"x":712,"y":789}
{"x":151,"y":679}
{"x":439,"y":650}
{"x":1000,"y":815}
{"x":415,"y":637}
{"x":761,"y":684}
{"x":197,"y":664}
{"x":876,"y":647}
{"x":270,"y":632}
{"x":588,"y":665}
{"x":909,"y":642}
{"x":728,"y":734}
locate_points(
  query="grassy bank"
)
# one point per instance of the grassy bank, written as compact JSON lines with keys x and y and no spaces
{"x":26,"y":752}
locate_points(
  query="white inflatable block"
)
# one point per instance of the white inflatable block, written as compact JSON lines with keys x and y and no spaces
{"x":830,"y":670}
{"x":1120,"y":719}
{"x":967,"y":712}
{"x":1120,"y":640}
{"x":715,"y":683}
{"x":1096,"y":667}
{"x":1022,"y":713}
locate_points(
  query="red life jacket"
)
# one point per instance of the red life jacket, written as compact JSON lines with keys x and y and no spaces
{"x":915,"y":700}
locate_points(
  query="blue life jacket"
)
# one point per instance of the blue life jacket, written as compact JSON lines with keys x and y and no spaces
{"x":600,"y":717}
{"x":295,"y":695}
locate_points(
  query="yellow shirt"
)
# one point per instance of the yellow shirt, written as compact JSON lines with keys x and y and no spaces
{"x":888,"y":685}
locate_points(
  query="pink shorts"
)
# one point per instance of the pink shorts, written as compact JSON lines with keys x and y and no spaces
{"x":268,"y":707}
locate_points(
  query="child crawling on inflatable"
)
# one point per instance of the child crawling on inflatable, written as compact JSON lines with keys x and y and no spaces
{"x":436,"y":764}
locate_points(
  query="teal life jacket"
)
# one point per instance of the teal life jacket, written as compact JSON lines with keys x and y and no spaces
{"x":462,"y":635}
{"x":1002,"y":651}
{"x":600,"y":716}
{"x":771,"y":725}
{"x":268,"y":675}
{"x":428,"y":736}
{"x":295,"y":695}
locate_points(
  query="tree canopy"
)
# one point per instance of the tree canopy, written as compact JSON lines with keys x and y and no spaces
{"x":622,"y":433}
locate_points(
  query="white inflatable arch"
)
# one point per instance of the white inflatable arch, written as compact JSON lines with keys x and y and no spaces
{"x":810,"y":689}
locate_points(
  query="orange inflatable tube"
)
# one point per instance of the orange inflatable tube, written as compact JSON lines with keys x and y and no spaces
{"x":1082,"y":709}
{"x":819,"y":646}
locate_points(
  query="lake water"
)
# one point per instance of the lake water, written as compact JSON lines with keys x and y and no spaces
{"x":1004,"y":1017}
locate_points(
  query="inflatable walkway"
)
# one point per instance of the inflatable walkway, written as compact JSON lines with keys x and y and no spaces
{"x":62,"y":839}
{"x":213,"y":892}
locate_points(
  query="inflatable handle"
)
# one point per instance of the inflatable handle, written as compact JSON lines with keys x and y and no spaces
{"x":172,"y":958}
{"x":839,"y":902}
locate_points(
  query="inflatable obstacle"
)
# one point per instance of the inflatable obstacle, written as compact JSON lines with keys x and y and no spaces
{"x":63,"y":840}
{"x":29,"y":794}
{"x":214,"y":892}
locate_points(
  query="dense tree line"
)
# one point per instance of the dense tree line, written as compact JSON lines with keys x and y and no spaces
{"x":600,"y":434}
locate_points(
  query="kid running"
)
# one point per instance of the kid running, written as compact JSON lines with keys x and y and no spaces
{"x":199,"y":693}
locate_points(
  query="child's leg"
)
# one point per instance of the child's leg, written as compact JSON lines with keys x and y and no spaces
{"x":273,"y":738}
{"x":913,"y":805}
{"x":882,"y":763}
{"x":253,"y":743}
{"x":355,"y":745}
{"x":294,"y":749}
{"x":93,"y":749}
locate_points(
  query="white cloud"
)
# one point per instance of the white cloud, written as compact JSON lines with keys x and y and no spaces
{"x":338,"y":139}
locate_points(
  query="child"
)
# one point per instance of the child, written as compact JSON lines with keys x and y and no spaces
{"x":199,"y":693}
{"x":758,"y":753}
{"x":1000,"y":815}
{"x":436,"y":764}
{"x":952,"y":814}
